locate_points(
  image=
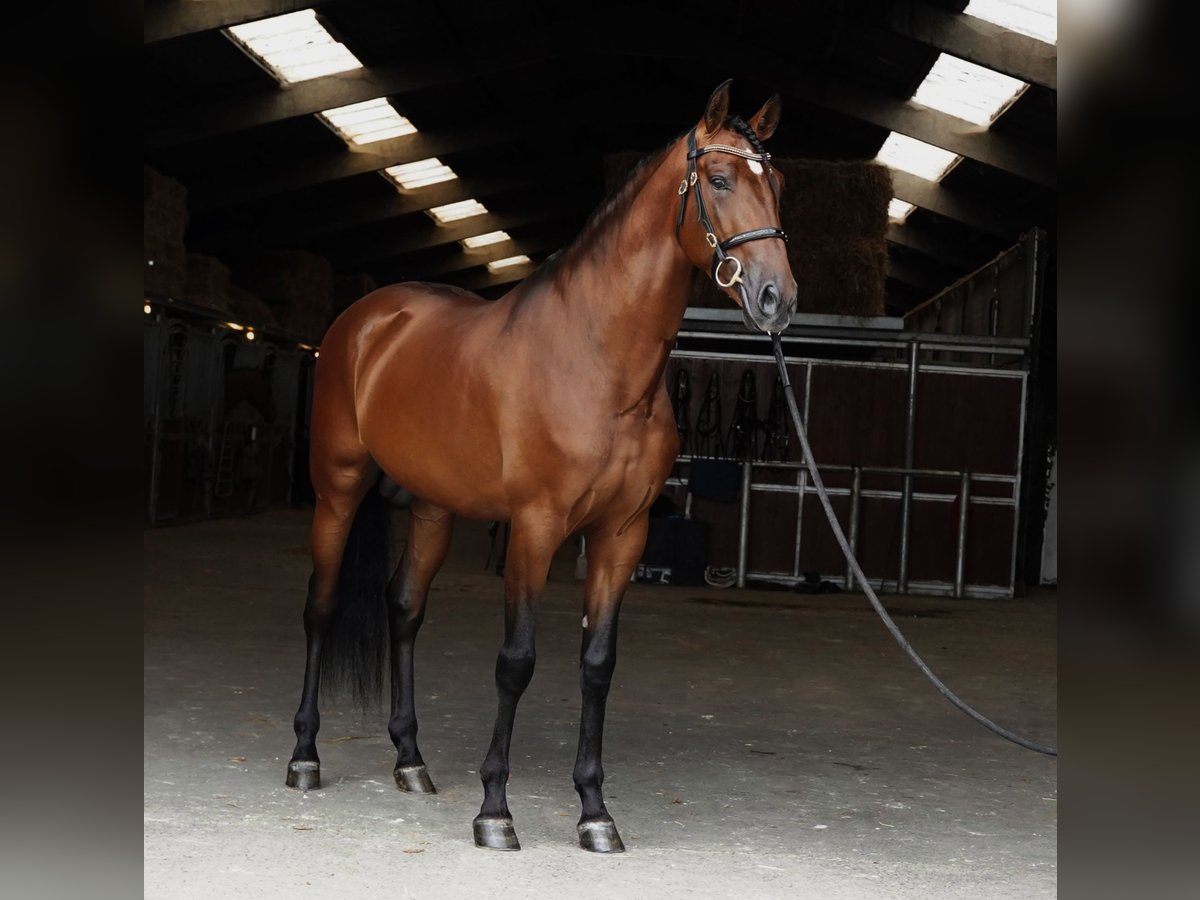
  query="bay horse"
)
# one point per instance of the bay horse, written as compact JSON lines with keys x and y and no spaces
{"x":547,"y":409}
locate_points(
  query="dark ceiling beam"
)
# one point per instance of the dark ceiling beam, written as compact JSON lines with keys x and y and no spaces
{"x":979,"y":42}
{"x":999,"y":151}
{"x":351,"y":254}
{"x":258,"y":184}
{"x":1007,"y":154}
{"x":169,"y":19}
{"x":938,"y":247}
{"x":293,"y":228}
{"x":224,"y":117}
{"x":935,"y":198}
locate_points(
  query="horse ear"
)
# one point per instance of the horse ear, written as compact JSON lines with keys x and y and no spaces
{"x":718,"y":107}
{"x":766,"y":120}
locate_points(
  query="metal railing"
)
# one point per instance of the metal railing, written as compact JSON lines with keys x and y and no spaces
{"x":856,"y":493}
{"x":915,"y":344}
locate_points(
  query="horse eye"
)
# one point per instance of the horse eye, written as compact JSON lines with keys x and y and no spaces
{"x":719,"y":182}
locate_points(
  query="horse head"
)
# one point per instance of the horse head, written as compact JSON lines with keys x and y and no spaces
{"x":735,"y":234}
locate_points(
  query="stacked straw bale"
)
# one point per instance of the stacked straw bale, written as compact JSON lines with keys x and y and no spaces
{"x":207,"y":282}
{"x":297,"y":286}
{"x":164,"y":220}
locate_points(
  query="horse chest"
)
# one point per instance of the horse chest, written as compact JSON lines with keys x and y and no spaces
{"x":635,"y":449}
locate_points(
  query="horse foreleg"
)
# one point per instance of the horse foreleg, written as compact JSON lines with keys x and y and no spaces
{"x":428,"y":540}
{"x":527,"y":564}
{"x":612,"y":558}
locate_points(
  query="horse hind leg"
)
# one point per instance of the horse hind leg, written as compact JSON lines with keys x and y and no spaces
{"x":428,"y":540}
{"x":336,"y":506}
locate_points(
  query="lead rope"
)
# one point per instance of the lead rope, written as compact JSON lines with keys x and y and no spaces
{"x":862,"y":579}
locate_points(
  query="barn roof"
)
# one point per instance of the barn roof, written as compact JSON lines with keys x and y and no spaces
{"x":521,"y":101}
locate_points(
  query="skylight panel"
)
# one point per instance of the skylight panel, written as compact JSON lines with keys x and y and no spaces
{"x":452,"y":212}
{"x":967,"y":91}
{"x":507,"y":262}
{"x":899,"y":210}
{"x":294,"y":47}
{"x":482,"y":240}
{"x":1035,"y":18}
{"x":916,"y":157}
{"x":421,"y":173}
{"x":367,"y":122}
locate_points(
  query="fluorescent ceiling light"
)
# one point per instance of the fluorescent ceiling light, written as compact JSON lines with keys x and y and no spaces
{"x":482,"y":240}
{"x":452,"y":212}
{"x":917,"y":157}
{"x":899,"y":210}
{"x":294,"y":47}
{"x":1036,"y":18}
{"x":967,"y":91}
{"x":367,"y":122}
{"x":498,"y":264}
{"x":421,"y":173}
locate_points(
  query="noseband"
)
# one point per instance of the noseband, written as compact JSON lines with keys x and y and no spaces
{"x":692,"y":180}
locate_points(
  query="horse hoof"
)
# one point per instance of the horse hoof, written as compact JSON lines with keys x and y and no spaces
{"x":600,"y":836}
{"x":304,"y":774}
{"x":414,"y":780}
{"x":495,"y":834}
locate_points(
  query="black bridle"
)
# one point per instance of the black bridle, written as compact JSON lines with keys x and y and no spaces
{"x":692,"y":180}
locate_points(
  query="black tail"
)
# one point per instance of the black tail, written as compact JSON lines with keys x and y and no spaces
{"x":354,"y":652}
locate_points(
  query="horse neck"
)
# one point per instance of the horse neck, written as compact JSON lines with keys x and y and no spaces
{"x":630,"y":286}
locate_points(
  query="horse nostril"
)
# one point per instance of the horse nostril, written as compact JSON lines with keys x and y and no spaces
{"x":768,"y":299}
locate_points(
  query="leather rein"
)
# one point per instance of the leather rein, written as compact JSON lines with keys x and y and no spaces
{"x":720,"y":248}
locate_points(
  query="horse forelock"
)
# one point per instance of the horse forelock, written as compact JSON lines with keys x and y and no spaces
{"x":742,"y":127}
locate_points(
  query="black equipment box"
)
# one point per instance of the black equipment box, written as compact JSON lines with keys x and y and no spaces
{"x":676,"y":552}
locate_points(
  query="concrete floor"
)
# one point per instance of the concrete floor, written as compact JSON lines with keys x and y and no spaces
{"x":759,"y":744}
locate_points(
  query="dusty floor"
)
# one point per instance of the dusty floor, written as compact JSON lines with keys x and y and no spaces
{"x":759,"y":744}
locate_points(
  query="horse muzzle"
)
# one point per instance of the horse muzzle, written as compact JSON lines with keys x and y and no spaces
{"x":765,"y":309}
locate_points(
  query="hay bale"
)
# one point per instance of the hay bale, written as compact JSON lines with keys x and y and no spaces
{"x":246,"y":307}
{"x":165,"y":267}
{"x":207,"y":282}
{"x":296,"y":285}
{"x":835,"y":199}
{"x":164,"y":207}
{"x":164,"y":220}
{"x":840,"y":277}
{"x":835,"y":214}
